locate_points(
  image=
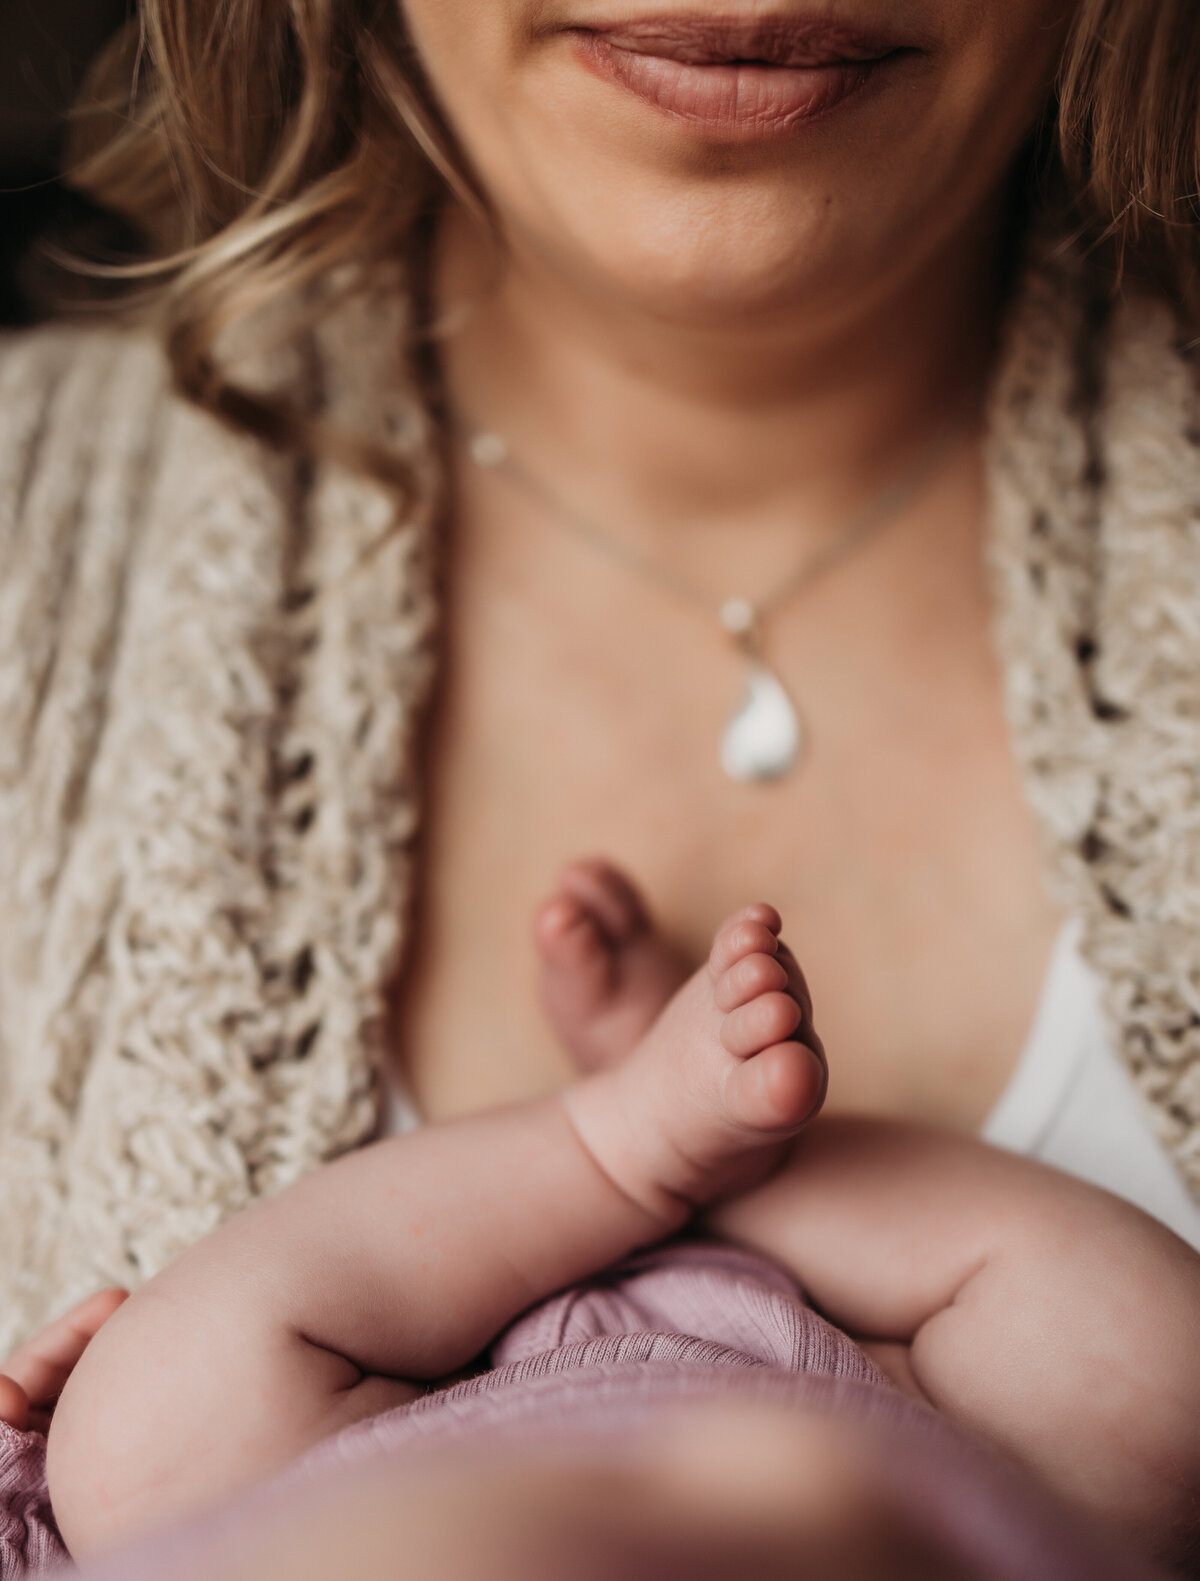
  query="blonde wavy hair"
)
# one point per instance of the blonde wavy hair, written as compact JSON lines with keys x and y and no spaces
{"x":268,"y":148}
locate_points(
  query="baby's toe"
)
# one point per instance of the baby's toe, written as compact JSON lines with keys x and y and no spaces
{"x":799,"y":989}
{"x":752,"y":931}
{"x":747,"y":979}
{"x":573,"y":949}
{"x":613,"y":900}
{"x":778,"y":1090}
{"x":755,"y":1026}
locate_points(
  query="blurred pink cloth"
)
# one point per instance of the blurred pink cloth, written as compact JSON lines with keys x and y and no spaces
{"x":686,"y":1321}
{"x":29,"y":1540}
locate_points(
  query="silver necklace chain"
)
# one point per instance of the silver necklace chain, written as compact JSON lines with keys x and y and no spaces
{"x":743,"y":618}
{"x":765,"y":737}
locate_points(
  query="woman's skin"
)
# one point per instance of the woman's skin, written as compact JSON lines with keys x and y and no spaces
{"x":720,"y":348}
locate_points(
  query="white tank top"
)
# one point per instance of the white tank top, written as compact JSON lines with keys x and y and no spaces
{"x":1070,"y":1101}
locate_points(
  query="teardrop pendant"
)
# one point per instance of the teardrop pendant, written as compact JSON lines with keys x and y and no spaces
{"x":763,"y":739}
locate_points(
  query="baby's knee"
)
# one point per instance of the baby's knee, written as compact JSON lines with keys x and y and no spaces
{"x":179,"y":1405}
{"x":164,"y":1414}
{"x":99,"y":1445}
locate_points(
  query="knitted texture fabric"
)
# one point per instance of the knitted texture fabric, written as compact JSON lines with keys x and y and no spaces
{"x":29,"y":1540}
{"x":1095,"y":552}
{"x":210,"y":669}
{"x":213,"y":665}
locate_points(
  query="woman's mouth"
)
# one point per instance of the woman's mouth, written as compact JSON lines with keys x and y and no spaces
{"x":741,"y":78}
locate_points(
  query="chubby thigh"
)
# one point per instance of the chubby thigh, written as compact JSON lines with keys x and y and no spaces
{"x":309,"y":1310}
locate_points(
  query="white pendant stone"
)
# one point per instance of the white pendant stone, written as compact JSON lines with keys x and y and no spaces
{"x":762,"y":740}
{"x":738,"y":616}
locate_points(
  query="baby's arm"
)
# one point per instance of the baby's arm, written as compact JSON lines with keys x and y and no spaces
{"x":401,"y":1262}
{"x":1054,"y":1319}
{"x":314,"y":1308}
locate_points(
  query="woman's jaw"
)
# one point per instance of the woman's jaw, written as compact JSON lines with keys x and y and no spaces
{"x":698,"y":190}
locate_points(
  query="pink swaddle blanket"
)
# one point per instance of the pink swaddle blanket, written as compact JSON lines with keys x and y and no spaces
{"x":686,"y":1321}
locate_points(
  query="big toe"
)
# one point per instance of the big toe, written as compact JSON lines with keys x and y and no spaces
{"x":778,"y":1090}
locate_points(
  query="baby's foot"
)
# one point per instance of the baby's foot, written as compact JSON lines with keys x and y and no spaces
{"x":732,"y":1068}
{"x":606,"y":970}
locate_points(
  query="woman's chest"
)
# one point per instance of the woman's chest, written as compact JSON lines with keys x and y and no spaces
{"x":900,"y":851}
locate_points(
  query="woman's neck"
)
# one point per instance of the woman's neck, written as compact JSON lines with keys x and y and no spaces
{"x":794,"y":415}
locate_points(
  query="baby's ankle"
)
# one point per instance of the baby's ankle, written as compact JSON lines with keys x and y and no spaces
{"x":626,"y":1147}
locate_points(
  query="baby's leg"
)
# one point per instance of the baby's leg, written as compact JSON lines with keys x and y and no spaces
{"x":324,"y":1305}
{"x":607,"y":971}
{"x":1054,"y":1319}
{"x":1059,"y":1322}
{"x":400,"y":1262}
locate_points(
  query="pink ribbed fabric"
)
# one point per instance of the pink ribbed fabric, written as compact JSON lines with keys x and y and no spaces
{"x":29,"y":1540}
{"x":687,"y":1292}
{"x":606,"y":1359}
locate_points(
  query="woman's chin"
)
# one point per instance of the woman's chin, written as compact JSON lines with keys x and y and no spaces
{"x":721,"y":300}
{"x":710,"y":276}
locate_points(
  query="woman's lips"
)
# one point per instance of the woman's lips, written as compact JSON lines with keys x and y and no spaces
{"x":744,"y":79}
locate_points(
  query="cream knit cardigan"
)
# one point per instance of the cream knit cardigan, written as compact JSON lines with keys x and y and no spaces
{"x":213,"y":663}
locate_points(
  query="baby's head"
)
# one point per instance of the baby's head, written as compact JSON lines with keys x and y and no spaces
{"x":717,"y":1491}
